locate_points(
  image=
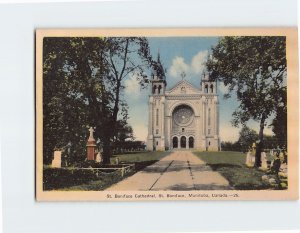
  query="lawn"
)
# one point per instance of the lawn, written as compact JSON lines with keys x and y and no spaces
{"x":232,"y":166}
{"x":79,"y":180}
{"x":139,"y":157}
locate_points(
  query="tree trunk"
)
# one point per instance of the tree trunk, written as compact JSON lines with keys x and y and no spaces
{"x":104,"y":128}
{"x":106,"y":151}
{"x":260,"y":145}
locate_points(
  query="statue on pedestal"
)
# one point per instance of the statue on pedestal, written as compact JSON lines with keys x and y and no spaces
{"x":91,"y":145}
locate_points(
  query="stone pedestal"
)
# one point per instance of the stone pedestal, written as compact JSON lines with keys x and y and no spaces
{"x":91,"y":151}
{"x":56,"y":162}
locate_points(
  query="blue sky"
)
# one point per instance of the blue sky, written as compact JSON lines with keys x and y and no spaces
{"x":180,"y":54}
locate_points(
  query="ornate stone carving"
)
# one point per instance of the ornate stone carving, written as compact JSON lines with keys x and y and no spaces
{"x":183,"y":115}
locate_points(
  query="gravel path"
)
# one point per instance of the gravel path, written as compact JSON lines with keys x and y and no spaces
{"x":181,"y":170}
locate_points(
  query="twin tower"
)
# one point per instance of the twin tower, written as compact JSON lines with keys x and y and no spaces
{"x":183,"y":117}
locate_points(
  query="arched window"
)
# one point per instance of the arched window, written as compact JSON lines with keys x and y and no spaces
{"x":183,"y":142}
{"x":206,"y":89}
{"x":154,"y":89}
{"x":159,"y":89}
{"x":212,"y":88}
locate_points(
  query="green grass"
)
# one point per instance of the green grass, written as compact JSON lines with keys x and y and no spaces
{"x":139,"y":157}
{"x":102,"y":183}
{"x":232,"y":166}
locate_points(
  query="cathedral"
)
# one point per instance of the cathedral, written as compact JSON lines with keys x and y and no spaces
{"x":184,"y":116}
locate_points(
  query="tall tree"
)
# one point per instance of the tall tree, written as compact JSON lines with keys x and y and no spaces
{"x":71,"y":90}
{"x":126,"y":56}
{"x":82,"y":86}
{"x":255,"y":69}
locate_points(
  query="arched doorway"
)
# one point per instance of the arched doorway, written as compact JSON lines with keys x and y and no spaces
{"x":183,"y":142}
{"x":175,"y":142}
{"x":191,"y":142}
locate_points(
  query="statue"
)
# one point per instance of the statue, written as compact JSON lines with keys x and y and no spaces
{"x":91,"y":137}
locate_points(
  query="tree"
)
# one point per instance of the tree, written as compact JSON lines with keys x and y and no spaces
{"x":247,"y":138}
{"x":231,"y":146}
{"x":255,"y":69}
{"x":67,"y":94}
{"x":82,"y":87}
{"x":279,"y":124}
{"x":126,"y":56}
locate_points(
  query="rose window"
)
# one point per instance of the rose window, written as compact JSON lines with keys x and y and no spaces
{"x":183,"y":115}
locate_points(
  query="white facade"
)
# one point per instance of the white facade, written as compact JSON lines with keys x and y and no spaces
{"x":184,"y":116}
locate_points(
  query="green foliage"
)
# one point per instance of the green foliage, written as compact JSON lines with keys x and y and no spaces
{"x":270,"y":142}
{"x":78,"y":179}
{"x":65,"y":103}
{"x":231,"y":146}
{"x":247,"y":138}
{"x":255,"y":69}
{"x":82,"y":87}
{"x":279,"y":126}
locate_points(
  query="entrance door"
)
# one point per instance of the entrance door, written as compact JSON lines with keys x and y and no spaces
{"x":175,"y":142}
{"x":183,"y":142}
{"x":191,"y":142}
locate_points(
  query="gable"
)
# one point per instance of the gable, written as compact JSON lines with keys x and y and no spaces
{"x":183,"y":88}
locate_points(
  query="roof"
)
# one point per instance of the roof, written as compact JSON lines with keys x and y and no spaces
{"x":183,"y":87}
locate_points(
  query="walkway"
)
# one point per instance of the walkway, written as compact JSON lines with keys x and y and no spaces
{"x":181,"y":170}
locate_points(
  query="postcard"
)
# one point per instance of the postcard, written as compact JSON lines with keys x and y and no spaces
{"x":167,"y":114}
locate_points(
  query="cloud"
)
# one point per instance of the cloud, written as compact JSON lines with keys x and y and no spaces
{"x":132,"y":86}
{"x":195,"y":67}
{"x":222,"y":88}
{"x":198,"y":62}
{"x":178,"y":66}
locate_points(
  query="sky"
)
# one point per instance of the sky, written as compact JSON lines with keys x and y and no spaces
{"x":181,"y":54}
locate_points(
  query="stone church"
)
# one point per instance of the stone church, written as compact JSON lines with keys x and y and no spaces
{"x":184,"y":116}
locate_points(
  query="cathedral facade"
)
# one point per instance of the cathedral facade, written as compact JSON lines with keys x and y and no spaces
{"x":183,"y":117}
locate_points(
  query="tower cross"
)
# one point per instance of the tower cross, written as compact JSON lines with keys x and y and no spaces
{"x":183,"y":74}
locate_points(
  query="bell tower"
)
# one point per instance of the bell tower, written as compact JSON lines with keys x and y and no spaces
{"x":156,"y":126}
{"x":208,"y":86}
{"x":210,"y":113}
{"x":158,"y":78}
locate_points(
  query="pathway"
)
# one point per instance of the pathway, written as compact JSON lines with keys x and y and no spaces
{"x":181,"y":170}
